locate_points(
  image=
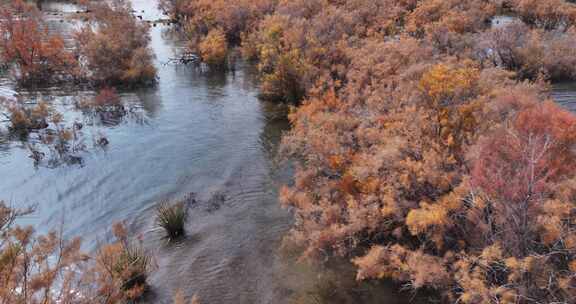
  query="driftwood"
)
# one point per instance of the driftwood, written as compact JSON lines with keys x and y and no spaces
{"x":185,"y":58}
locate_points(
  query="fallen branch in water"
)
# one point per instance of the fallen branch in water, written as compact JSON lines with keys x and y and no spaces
{"x":184,"y":58}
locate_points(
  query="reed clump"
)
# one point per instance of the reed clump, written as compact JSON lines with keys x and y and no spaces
{"x":172,"y":218}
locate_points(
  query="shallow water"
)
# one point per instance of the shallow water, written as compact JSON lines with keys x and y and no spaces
{"x":565,"y":95}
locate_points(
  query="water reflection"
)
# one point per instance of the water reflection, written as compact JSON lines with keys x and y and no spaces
{"x":4,"y":144}
{"x":565,"y":94}
{"x":148,"y":100}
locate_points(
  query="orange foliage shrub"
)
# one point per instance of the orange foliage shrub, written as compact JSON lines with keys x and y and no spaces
{"x":305,"y":45}
{"x":455,"y":16}
{"x":115,"y":47}
{"x":531,"y":52}
{"x":549,"y":15}
{"x":233,"y":17}
{"x":37,"y":56}
{"x":281,"y":61}
{"x":298,"y":43}
{"x":26,"y":118}
{"x":121,"y":270}
{"x":38,"y":269}
{"x":214,"y":49}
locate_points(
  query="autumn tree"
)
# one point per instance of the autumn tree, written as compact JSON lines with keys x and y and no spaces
{"x":523,"y":209}
{"x":214,"y":49}
{"x":115,"y":47}
{"x":36,"y":55}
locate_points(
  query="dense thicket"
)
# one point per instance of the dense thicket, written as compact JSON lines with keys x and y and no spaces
{"x":37,"y":56}
{"x":48,"y":269}
{"x":429,"y":152}
{"x":112,"y":48}
{"x":115,"y":46}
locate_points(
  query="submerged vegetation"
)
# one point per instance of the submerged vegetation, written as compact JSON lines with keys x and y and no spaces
{"x":48,"y":138}
{"x":106,"y":107}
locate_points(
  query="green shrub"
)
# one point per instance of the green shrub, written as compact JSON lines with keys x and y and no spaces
{"x":172,"y":218}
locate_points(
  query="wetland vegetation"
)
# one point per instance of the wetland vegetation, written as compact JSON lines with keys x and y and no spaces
{"x":421,"y":151}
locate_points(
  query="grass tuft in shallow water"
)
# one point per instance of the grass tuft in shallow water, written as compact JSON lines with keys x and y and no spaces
{"x":172,"y":217}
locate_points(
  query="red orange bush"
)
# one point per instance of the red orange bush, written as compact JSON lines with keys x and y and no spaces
{"x":37,"y":269}
{"x":37,"y":56}
{"x":49,"y":269}
{"x":115,"y":46}
{"x":214,"y":49}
